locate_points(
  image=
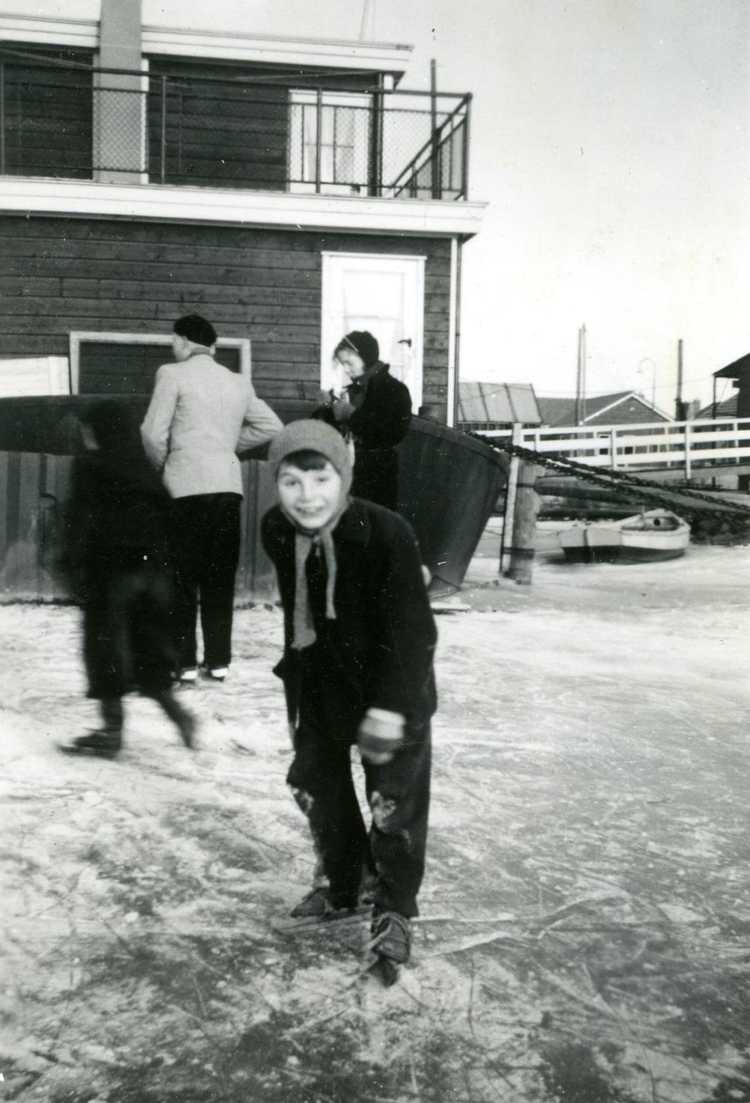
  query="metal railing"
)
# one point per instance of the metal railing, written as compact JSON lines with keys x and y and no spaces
{"x":73,"y":121}
{"x":664,"y":444}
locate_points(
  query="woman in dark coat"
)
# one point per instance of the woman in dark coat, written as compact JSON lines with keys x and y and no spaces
{"x":118,"y":562}
{"x":377,"y":412}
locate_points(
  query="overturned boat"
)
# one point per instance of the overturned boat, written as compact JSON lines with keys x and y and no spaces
{"x":651,"y":535}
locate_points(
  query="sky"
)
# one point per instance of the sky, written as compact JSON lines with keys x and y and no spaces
{"x":610,"y":139}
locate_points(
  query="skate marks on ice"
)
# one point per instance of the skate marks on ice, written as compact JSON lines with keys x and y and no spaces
{"x":585,"y":912}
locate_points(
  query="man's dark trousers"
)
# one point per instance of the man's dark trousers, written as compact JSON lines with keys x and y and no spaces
{"x":206,"y":531}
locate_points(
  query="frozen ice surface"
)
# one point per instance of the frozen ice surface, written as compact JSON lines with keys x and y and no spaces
{"x":587,"y":900}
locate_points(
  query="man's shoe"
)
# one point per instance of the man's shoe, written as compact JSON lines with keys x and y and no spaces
{"x":100,"y":744}
{"x":188,"y":676}
{"x":391,"y":937}
{"x":215,"y":673}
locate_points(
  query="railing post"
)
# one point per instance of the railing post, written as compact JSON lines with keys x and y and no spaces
{"x":163,"y":132}
{"x":375,"y":167}
{"x":433,"y":129}
{"x":687,"y":449}
{"x":318,"y":127}
{"x":2,"y":117}
{"x":465,"y":158}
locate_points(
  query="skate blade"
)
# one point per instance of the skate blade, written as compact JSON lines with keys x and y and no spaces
{"x":315,"y":924}
{"x":384,"y":970}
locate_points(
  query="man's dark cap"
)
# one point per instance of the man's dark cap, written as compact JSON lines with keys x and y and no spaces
{"x":196,"y":329}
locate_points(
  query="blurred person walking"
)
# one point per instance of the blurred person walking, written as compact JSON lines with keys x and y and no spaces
{"x":118,"y":563}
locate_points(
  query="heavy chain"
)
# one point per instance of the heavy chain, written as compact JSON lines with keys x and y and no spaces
{"x":735,"y":515}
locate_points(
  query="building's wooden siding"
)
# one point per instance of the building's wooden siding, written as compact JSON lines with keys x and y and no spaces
{"x":217,"y":133}
{"x":221,"y":129}
{"x":62,"y":274}
{"x":47,"y":116}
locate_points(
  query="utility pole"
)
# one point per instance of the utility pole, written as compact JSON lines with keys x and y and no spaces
{"x":679,"y":405}
{"x":580,"y":406}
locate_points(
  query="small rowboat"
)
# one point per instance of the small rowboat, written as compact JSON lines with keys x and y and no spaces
{"x":654,"y":534}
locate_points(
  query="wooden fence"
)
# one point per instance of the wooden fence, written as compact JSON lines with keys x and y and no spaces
{"x":33,"y":489}
{"x":683,"y":444}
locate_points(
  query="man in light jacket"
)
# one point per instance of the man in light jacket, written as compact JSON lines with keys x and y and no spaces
{"x":200,"y":415}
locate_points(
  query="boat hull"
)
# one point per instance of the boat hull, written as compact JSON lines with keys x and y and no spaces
{"x":648,"y":537}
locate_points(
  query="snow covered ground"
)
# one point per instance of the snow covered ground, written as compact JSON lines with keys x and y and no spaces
{"x":586,"y":910}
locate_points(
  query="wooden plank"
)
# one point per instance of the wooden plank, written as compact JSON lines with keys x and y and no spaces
{"x":240,"y":271}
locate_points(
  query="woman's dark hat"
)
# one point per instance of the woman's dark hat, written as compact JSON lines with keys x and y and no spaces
{"x":363,"y":343}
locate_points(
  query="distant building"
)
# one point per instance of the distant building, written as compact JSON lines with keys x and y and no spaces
{"x":726,"y":408}
{"x":497,"y":406}
{"x":739,"y":372}
{"x":621,"y":408}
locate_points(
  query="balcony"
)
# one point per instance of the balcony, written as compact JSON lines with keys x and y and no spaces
{"x":75,"y":122}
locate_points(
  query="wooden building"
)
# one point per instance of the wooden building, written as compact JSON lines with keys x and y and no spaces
{"x":288,"y":190}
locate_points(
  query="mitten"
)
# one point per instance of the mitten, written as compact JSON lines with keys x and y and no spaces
{"x":380,"y":735}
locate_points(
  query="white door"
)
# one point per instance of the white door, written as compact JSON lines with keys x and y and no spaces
{"x":383,"y":294}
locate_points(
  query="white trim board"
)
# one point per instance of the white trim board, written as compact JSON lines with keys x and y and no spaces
{"x":230,"y":45}
{"x":78,"y":337}
{"x":352,"y":214}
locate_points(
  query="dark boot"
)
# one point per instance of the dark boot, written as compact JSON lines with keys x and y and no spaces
{"x":179,"y":715}
{"x":106,"y":742}
{"x":101,"y":744}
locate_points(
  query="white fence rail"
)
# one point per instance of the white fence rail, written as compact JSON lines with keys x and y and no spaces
{"x":684,"y":444}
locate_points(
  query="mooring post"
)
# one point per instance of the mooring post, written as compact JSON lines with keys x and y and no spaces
{"x":524,"y":524}
{"x":506,"y":540}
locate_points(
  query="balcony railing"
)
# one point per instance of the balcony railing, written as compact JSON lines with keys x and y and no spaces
{"x":78,"y":122}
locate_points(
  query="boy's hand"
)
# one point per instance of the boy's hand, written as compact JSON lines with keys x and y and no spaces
{"x":380,"y":735}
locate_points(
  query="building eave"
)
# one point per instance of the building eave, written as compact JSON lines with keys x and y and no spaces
{"x":380,"y":57}
{"x":351,"y":214}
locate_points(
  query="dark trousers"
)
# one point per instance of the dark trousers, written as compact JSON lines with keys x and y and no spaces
{"x":398,"y":794}
{"x":127,"y":626}
{"x":207,"y":546}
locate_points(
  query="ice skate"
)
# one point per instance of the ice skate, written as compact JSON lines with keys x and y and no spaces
{"x":389,"y":946}
{"x":99,"y":744}
{"x":315,"y":913}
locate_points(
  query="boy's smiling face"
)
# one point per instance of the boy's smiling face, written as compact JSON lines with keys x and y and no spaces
{"x":310,"y":497}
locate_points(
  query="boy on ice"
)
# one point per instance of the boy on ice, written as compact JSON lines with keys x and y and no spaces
{"x":359,"y":639}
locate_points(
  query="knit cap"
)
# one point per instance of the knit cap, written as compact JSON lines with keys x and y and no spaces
{"x":363,"y":343}
{"x":316,"y":436}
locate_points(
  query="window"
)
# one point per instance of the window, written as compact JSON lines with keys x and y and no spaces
{"x":125,"y":363}
{"x":329,"y":142}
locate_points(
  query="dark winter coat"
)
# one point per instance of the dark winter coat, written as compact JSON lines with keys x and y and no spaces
{"x":378,"y":652}
{"x":381,"y":419}
{"x":116,"y":556}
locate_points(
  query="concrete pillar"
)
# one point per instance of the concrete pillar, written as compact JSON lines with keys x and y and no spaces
{"x":119,"y":99}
